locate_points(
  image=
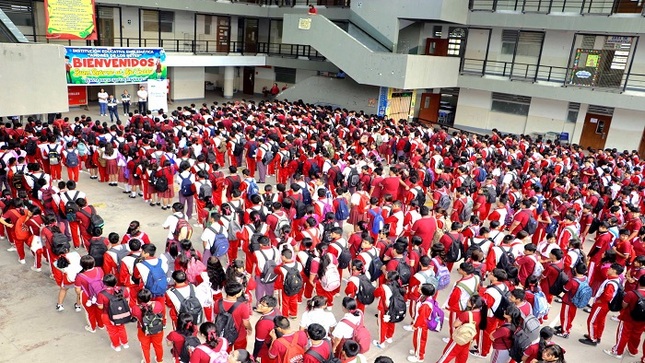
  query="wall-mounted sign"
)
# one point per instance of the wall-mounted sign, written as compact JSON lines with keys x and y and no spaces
{"x":70,"y":19}
{"x":304,"y":23}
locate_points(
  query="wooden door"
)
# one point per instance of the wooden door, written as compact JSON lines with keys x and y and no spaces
{"x":595,"y":130}
{"x":222,"y":34}
{"x":437,"y":46}
{"x":251,"y":36}
{"x":429,"y":110}
{"x":629,"y":6}
{"x":249,"y":80}
{"x":641,"y":148}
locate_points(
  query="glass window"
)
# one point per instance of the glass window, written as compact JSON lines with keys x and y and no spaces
{"x":512,"y":104}
{"x":285,"y":75}
{"x":155,"y":21}
{"x":166,"y":21}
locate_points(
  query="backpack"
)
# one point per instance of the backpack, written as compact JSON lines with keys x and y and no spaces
{"x":344,"y":257}
{"x":307,"y":267}
{"x":330,"y":280}
{"x":95,"y":286}
{"x":151,"y":323}
{"x":435,"y":320}
{"x":190,"y":305}
{"x":582,"y":296}
{"x":292,"y":281}
{"x":638,"y":312}
{"x":160,"y":183}
{"x":185,"y":188}
{"x":353,"y":178}
{"x":71,"y":207}
{"x":557,"y":287}
{"x":18,"y":178}
{"x":540,"y":305}
{"x":190,"y":343}
{"x":195,"y":268}
{"x":506,"y":259}
{"x":428,"y":178}
{"x":456,"y":249}
{"x":254,"y":241}
{"x":404,"y":271}
{"x":269,"y":155}
{"x":205,"y":191}
{"x":531,"y":225}
{"x":397,"y":308}
{"x":224,"y":322}
{"x":319,"y":358}
{"x":616,"y":303}
{"x":504,"y":302}
{"x":360,"y":334}
{"x":538,"y":269}
{"x":342,"y":212}
{"x":283,"y":221}
{"x":443,"y":275}
{"x":95,"y":227}
{"x":491,"y":195}
{"x":378,"y":222}
{"x":118,"y":309}
{"x":314,"y":169}
{"x":444,"y":201}
{"x":375,"y":267}
{"x":481,"y":177}
{"x":238,"y":149}
{"x":97,"y":249}
{"x":31,"y":147}
{"x":220,"y":244}
{"x":524,"y":336}
{"x":469,"y":184}
{"x":213,"y":356}
{"x":466,"y":332}
{"x":72,"y":159}
{"x":467,"y":212}
{"x":268,"y":274}
{"x":420,"y":196}
{"x":60,"y":243}
{"x":53,"y":156}
{"x":156,"y":281}
{"x":365,"y":293}
{"x":253,"y":188}
{"x":119,"y":253}
{"x":295,"y":352}
{"x":306,"y":197}
{"x":472,"y":247}
{"x":235,"y":182}
{"x":181,"y":224}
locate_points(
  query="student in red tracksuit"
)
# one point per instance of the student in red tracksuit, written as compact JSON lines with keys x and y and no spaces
{"x":289,"y":303}
{"x":629,"y":331}
{"x":475,"y":311}
{"x":551,"y":271}
{"x":117,"y":333}
{"x":425,"y":304}
{"x":87,"y":291}
{"x":145,"y":302}
{"x":600,"y":308}
{"x":384,"y":294}
{"x":424,"y":275}
{"x":351,"y":289}
{"x":493,"y":298}
{"x":466,"y":287}
{"x":568,"y":310}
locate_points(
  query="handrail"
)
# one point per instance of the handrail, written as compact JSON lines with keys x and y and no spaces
{"x":292,"y":3}
{"x":583,"y":7}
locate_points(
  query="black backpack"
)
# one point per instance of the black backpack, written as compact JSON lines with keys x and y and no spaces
{"x":638,"y":312}
{"x":224,"y":322}
{"x":160,"y":183}
{"x":119,"y":308}
{"x":190,"y":343}
{"x":375,"y":267}
{"x":71,"y":207}
{"x":397,"y":308}
{"x":292,"y":281}
{"x":456,"y":249}
{"x":472,"y":247}
{"x":616,"y":304}
{"x":95,"y":227}
{"x":190,"y":305}
{"x":254,"y":241}
{"x":97,"y":249}
{"x":506,"y":259}
{"x":307,"y":267}
{"x":345,"y":257}
{"x":365,"y":293}
{"x":404,"y":271}
{"x":151,"y":322}
{"x":504,"y":302}
{"x":268,"y":274}
{"x":60,"y":243}
{"x":353,"y":178}
{"x":557,"y":287}
{"x":319,"y":358}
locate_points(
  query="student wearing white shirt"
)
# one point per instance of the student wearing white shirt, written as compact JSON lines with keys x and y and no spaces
{"x":142,"y":94}
{"x":103,"y":101}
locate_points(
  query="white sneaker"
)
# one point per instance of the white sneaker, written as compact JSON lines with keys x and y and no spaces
{"x":59,"y":307}
{"x":329,"y":308}
{"x":116,"y":349}
{"x":34,"y":268}
{"x":77,"y":308}
{"x":412,"y":352}
{"x":611,"y":353}
{"x":445,"y":340}
{"x":89,"y":329}
{"x":408,"y":328}
{"x":11,"y":249}
{"x":414,"y":359}
{"x":22,"y":262}
{"x":378,"y":345}
{"x":389,"y":340}
{"x":125,"y":346}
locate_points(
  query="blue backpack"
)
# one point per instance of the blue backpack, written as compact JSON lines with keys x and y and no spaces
{"x":481,"y":177}
{"x":540,"y":304}
{"x":220,"y":244}
{"x":306,"y":196}
{"x":185,"y":188}
{"x":156,"y":281}
{"x":378,"y":223}
{"x":342,"y":212}
{"x":253,"y":188}
{"x":583,"y":294}
{"x":72,"y":159}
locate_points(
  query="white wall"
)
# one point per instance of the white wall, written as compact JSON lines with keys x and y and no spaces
{"x":547,"y":116}
{"x":264,"y":77}
{"x":186,"y":82}
{"x":626,"y":129}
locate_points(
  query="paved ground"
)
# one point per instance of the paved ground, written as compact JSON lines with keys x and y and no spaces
{"x":32,"y":331}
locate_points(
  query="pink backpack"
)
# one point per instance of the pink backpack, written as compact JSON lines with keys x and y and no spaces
{"x":195,"y":268}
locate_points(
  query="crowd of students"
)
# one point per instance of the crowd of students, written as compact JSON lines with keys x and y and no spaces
{"x":512,"y":215}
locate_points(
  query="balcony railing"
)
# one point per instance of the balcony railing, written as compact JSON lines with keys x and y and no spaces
{"x":543,"y":73}
{"x":584,"y":7}
{"x":281,"y":3}
{"x":201,"y":46}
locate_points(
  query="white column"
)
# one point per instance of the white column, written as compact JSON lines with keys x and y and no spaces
{"x":229,"y":78}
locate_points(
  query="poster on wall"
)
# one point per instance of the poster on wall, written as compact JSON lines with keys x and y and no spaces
{"x":585,"y":67}
{"x":158,"y":95}
{"x":77,"y":95}
{"x":113,"y":66}
{"x":70,"y":19}
{"x":382,"y":101}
